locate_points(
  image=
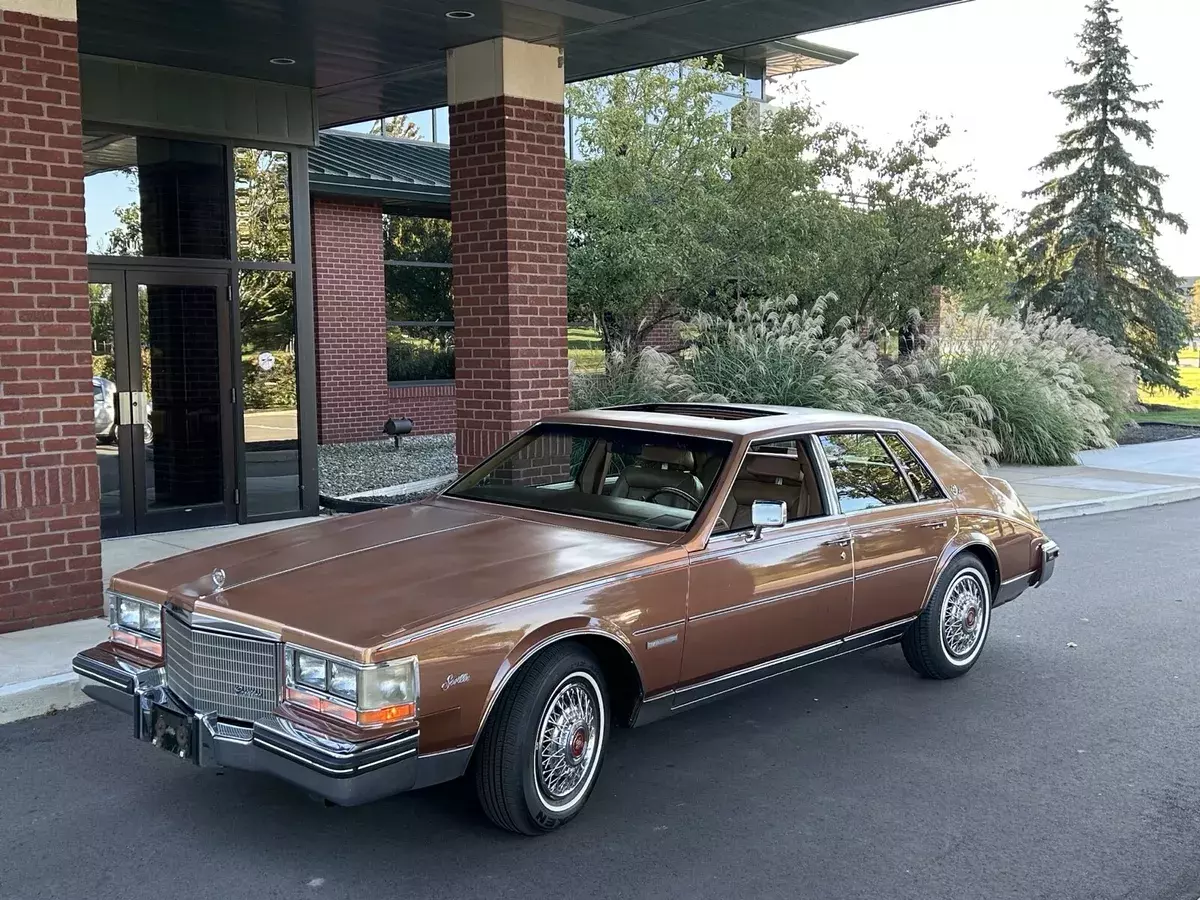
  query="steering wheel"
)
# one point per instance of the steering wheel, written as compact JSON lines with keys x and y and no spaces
{"x":676,"y":492}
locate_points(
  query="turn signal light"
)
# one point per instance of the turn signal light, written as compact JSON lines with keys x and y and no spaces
{"x":387,"y":715}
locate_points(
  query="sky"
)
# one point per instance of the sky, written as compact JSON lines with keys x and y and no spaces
{"x":986,"y":67}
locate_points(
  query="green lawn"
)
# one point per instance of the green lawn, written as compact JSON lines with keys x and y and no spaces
{"x":1184,"y":410}
{"x":585,"y":349}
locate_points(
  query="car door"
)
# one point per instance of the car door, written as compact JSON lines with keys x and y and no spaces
{"x":752,"y":598}
{"x":899,"y":523}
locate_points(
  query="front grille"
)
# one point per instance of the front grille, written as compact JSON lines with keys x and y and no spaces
{"x":234,"y":677}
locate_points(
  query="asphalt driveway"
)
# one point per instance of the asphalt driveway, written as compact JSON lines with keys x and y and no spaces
{"x":1063,"y":766}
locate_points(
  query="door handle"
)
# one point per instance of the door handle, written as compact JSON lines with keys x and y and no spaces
{"x":837,"y":542}
{"x":941,"y":524}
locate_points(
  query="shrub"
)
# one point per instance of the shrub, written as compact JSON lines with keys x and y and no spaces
{"x":1042,"y":411}
{"x":407,"y":361}
{"x":1110,"y":375}
{"x":645,"y":377}
{"x":271,"y":389}
{"x":774,"y":352}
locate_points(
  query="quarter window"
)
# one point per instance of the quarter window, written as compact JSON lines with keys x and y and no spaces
{"x":864,"y":474}
{"x":922,"y":480}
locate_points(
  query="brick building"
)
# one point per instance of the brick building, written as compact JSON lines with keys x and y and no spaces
{"x":209,"y":333}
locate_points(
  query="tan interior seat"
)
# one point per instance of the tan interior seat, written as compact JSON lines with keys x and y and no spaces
{"x":771,"y":476}
{"x":658,"y":468}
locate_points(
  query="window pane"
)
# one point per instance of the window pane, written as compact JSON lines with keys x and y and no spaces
{"x":926,"y":487}
{"x":863,"y":473}
{"x":267,"y":307}
{"x":155,"y":197}
{"x":420,"y":353}
{"x":264,"y":205}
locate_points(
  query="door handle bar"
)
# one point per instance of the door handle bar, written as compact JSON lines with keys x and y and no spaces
{"x":941,"y":524}
{"x":837,"y":542}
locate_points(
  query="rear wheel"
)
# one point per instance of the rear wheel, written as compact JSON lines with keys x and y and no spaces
{"x":542,"y":747}
{"x":947,"y":637}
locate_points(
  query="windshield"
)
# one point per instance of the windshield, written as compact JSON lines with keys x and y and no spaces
{"x":641,"y":478}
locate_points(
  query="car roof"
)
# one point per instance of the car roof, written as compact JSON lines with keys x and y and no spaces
{"x":726,"y":420}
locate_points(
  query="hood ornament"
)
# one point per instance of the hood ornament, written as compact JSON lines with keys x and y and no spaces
{"x":218,"y":578}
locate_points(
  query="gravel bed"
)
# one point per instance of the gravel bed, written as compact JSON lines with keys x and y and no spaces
{"x":350,"y":468}
{"x":1149,"y":432}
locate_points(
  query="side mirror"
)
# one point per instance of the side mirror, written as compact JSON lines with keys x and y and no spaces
{"x":767,"y":514}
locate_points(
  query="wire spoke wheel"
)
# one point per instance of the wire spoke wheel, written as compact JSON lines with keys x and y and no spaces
{"x":963,"y":615}
{"x":568,"y":742}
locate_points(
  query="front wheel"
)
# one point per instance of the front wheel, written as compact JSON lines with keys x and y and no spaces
{"x":948,"y":635}
{"x":542,"y":747}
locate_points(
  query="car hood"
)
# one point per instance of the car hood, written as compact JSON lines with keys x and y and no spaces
{"x":350,"y":583}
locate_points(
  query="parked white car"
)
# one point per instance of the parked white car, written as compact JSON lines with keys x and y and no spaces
{"x":104,"y":410}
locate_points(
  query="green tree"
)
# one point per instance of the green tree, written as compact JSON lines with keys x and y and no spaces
{"x":989,"y":278}
{"x":911,"y":225}
{"x":396,"y":127}
{"x":1193,"y":312}
{"x":679,"y":207}
{"x":1089,"y":242}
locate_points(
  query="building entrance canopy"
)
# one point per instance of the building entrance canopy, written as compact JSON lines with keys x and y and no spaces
{"x":369,"y":58}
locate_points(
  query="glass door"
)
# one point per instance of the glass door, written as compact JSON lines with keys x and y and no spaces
{"x":163,"y":400}
{"x":110,"y":393}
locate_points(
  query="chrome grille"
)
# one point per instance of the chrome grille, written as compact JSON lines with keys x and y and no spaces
{"x":234,"y":677}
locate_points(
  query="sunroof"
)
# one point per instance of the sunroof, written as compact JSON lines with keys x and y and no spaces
{"x":702,"y":410}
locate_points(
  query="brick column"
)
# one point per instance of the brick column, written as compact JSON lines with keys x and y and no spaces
{"x":351,"y":323}
{"x":509,"y":212}
{"x":49,"y":482}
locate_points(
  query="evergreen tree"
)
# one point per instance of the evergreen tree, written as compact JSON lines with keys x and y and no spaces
{"x":1088,"y":243}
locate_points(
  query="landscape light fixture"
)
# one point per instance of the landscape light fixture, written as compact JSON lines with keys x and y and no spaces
{"x":460,"y":14}
{"x":282,"y":61}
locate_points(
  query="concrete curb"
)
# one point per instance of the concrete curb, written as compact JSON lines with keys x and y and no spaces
{"x":1136,"y":500}
{"x":27,"y":699}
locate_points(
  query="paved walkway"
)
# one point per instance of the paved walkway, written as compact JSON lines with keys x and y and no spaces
{"x":35,"y":670}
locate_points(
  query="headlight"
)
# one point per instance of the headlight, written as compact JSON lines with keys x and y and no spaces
{"x":343,"y":681}
{"x":379,"y":694}
{"x":135,"y":623}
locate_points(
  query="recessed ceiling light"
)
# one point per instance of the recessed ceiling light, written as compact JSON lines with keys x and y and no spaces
{"x":282,"y":61}
{"x":460,"y":14}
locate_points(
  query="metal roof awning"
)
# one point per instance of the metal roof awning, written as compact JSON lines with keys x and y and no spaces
{"x":410,"y":177}
{"x":369,"y":58}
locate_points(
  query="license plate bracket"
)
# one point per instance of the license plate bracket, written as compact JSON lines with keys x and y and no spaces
{"x":175,"y":733}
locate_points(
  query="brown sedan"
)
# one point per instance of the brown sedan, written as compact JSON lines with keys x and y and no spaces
{"x":609,"y":567}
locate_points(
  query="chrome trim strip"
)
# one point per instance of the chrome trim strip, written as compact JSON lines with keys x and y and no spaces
{"x":1007,"y":581}
{"x":784,"y":661}
{"x":996,"y":514}
{"x":202,"y":622}
{"x":403,"y":754}
{"x":408,"y":737}
{"x":896,"y":567}
{"x":779,"y":660}
{"x":438,"y":753}
{"x":762,"y":601}
{"x":797,"y":530}
{"x":603,"y":582}
{"x":122,"y":686}
{"x":878,"y":628}
{"x":651,"y":628}
{"x":303,"y":760}
{"x":576,"y":632}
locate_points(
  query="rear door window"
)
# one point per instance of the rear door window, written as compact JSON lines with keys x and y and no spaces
{"x":922,"y":480}
{"x":864,"y":474}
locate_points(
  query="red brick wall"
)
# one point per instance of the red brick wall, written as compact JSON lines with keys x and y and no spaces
{"x":49,"y":482}
{"x":509,"y":213}
{"x":430,"y":406}
{"x":664,"y":336}
{"x":351,"y":323}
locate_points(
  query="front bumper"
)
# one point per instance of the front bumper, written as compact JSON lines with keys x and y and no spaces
{"x":344,"y":772}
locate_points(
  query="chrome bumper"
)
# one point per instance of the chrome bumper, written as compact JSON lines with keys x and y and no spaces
{"x":344,"y":772}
